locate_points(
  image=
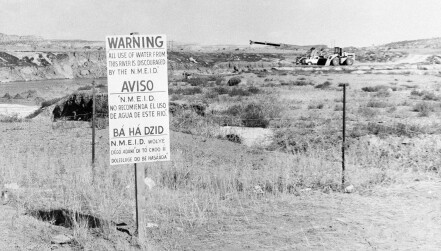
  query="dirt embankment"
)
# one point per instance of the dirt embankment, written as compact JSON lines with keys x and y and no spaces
{"x":31,"y":65}
{"x":27,"y":66}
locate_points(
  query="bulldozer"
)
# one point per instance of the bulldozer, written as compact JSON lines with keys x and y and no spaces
{"x":340,"y":57}
{"x":317,"y":57}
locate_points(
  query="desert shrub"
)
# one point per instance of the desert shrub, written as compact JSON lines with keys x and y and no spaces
{"x":302,"y":78}
{"x":297,"y":83}
{"x":101,"y":86}
{"x":375,"y":88}
{"x":233,"y":138}
{"x":252,"y":116}
{"x":185,"y":91}
{"x":431,"y":96}
{"x":381,"y":130}
{"x":221,"y":90}
{"x":191,"y":91}
{"x":234,"y":110}
{"x":392,"y":109}
{"x":219,"y":81}
{"x":212,"y":93}
{"x":416,"y":93}
{"x":383,"y":93}
{"x":301,"y":83}
{"x":234,"y":81}
{"x":10,"y":118}
{"x":174,"y":97}
{"x":325,"y":85}
{"x":296,"y":140}
{"x":410,"y":86}
{"x":367,"y":112}
{"x":239,"y":92}
{"x":426,"y":95}
{"x":253,"y":90}
{"x":85,"y":88}
{"x":197,"y":81}
{"x":316,"y":106}
{"x":377,"y":104}
{"x":423,"y":108}
{"x":338,"y":107}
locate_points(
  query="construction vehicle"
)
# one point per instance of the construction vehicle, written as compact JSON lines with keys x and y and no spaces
{"x":316,"y":57}
{"x":339,"y":57}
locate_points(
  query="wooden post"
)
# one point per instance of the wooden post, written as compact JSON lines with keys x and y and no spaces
{"x":140,"y":201}
{"x":343,"y":147}
{"x":93,"y":132}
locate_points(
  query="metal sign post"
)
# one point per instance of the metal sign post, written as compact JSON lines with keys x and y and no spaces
{"x":138,"y":107}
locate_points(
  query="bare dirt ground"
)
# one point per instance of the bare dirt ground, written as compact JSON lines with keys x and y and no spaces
{"x":21,"y":232}
{"x":399,"y":217}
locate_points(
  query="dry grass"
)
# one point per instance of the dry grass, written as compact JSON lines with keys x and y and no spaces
{"x":210,"y":181}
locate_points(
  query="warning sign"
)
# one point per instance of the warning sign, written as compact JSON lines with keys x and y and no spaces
{"x":138,"y":98}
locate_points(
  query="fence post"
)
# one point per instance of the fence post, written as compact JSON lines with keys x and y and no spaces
{"x":343,"y":147}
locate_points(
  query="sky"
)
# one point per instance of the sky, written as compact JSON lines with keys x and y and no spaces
{"x":210,"y":22}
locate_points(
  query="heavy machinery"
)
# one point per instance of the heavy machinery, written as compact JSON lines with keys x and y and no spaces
{"x":339,"y":57}
{"x":317,"y":57}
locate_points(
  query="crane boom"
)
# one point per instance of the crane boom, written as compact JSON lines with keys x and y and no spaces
{"x":281,"y":46}
{"x":265,"y":43}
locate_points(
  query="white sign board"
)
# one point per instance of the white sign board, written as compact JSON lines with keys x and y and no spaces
{"x":138,"y":98}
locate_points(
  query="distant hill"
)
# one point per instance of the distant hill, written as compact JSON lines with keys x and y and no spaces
{"x":430,"y":43}
{"x":36,"y":43}
{"x":14,"y":38}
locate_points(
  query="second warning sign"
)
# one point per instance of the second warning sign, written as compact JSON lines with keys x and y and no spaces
{"x":138,"y":98}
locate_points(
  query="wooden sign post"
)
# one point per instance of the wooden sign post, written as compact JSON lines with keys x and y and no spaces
{"x":138,"y":107}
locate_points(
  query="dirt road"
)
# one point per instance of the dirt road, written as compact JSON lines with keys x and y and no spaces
{"x":400,"y":217}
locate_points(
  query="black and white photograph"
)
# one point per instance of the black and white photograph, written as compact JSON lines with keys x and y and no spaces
{"x":220,"y":125}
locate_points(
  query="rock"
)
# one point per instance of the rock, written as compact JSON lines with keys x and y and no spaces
{"x":149,"y":182}
{"x":327,"y":189}
{"x":84,"y":72}
{"x":358,"y":72}
{"x":193,"y":60}
{"x":258,"y":190}
{"x":406,"y":141}
{"x":12,"y":186}
{"x":152,"y":225}
{"x":349,"y":189}
{"x":5,"y":197}
{"x":62,"y":239}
